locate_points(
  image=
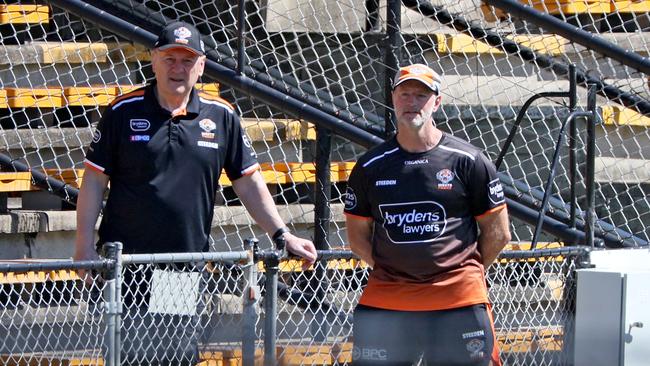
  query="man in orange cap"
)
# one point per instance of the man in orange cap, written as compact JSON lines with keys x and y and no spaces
{"x":427,"y":211}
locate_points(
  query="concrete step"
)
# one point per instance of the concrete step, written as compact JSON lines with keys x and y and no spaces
{"x":40,"y":64}
{"x":64,"y":147}
{"x":51,"y":234}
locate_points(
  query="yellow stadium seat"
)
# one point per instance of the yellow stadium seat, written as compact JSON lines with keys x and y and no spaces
{"x":24,"y":14}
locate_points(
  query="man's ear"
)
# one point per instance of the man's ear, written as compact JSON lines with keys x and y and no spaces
{"x":438,"y":102}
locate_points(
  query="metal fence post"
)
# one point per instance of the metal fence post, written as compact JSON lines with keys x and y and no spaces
{"x":590,"y":217}
{"x":113,"y":303}
{"x":392,"y":58}
{"x":271,"y":266}
{"x":251,"y":298}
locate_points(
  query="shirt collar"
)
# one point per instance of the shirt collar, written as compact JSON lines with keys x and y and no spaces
{"x":192,"y":107}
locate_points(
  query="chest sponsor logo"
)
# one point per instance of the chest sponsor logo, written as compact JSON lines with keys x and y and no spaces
{"x":97,"y":136}
{"x":387,"y":182}
{"x":350,"y":199}
{"x":413,"y":222}
{"x":445,"y":176}
{"x":416,"y":162}
{"x":211,"y":145}
{"x":495,"y":192}
{"x":139,"y":125}
{"x":139,"y":138}
{"x":207,"y":125}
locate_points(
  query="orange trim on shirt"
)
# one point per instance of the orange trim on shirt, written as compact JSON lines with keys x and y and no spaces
{"x":215,"y":98}
{"x":135,"y":93}
{"x":496,"y":361}
{"x":491,"y":211}
{"x":353,"y":216}
{"x":180,"y":112}
{"x":460,"y":287}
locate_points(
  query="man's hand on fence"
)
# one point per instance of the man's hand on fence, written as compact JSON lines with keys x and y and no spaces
{"x":301,"y":247}
{"x":83,"y":253}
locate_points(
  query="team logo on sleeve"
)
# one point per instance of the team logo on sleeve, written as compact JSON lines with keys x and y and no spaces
{"x":97,"y":136}
{"x":247,"y":142}
{"x":413,"y":222}
{"x":445,"y":176}
{"x":350,"y":199}
{"x":495,"y":192}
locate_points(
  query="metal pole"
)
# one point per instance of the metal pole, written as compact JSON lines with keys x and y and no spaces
{"x":575,"y":34}
{"x":322,"y":188}
{"x":551,"y":176}
{"x":271,"y":266}
{"x":222,"y":74}
{"x":113,"y":303}
{"x":393,"y":54}
{"x":590,"y":168}
{"x":541,"y":61}
{"x":322,"y":193}
{"x":520,"y":117}
{"x":241,"y":30}
{"x":573,"y":169}
{"x":42,"y":180}
{"x":250,"y":302}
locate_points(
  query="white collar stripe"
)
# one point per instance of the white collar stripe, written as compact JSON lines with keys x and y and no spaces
{"x":207,"y":101}
{"x":458,"y":151}
{"x":134,"y":99}
{"x":380,"y":156}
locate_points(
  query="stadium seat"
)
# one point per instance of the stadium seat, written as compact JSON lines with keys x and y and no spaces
{"x":24,"y":14}
{"x":98,"y":96}
{"x":464,"y":44}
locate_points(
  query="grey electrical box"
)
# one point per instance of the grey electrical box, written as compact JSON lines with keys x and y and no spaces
{"x":613,"y":316}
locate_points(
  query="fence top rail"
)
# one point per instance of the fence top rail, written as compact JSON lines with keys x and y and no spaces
{"x":55,"y":265}
{"x":335,"y":254}
{"x":537,"y":253}
{"x":161,"y":258}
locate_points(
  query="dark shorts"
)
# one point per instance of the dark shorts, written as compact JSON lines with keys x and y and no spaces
{"x":462,"y":336}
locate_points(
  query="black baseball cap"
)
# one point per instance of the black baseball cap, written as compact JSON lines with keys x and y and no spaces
{"x":180,"y":34}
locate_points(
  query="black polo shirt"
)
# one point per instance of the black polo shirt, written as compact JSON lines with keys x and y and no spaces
{"x":164,"y":170}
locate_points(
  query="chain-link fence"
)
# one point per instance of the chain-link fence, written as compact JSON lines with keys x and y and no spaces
{"x":48,"y":316}
{"x":186,"y":308}
{"x":59,"y":71}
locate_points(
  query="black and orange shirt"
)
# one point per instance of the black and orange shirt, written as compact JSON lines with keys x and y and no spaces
{"x":164,"y":169}
{"x":424,"y":239}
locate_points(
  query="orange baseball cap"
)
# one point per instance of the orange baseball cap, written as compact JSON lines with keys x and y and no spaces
{"x":421,"y":73}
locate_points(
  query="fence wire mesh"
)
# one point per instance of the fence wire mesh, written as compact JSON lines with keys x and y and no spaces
{"x":180,"y":313}
{"x":59,"y":71}
{"x":532,"y":293}
{"x":183,"y":312}
{"x":51,"y":318}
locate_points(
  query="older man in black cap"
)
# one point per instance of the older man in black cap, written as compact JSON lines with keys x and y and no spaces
{"x":163,"y":147}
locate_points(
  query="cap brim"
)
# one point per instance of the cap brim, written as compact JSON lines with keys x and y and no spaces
{"x":434,"y":88}
{"x":170,"y":46}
